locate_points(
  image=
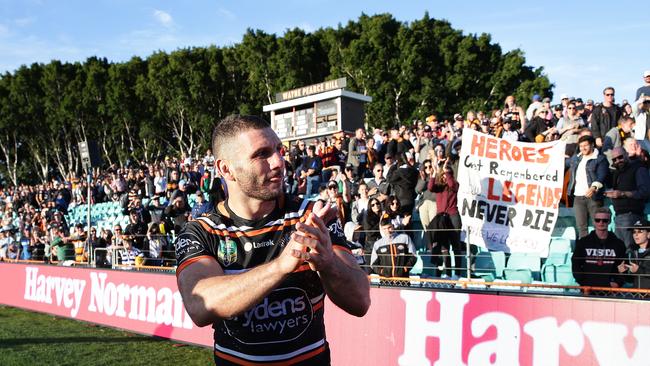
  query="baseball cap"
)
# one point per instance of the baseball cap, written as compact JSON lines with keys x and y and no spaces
{"x":641,"y":224}
{"x":458,"y":116}
{"x":546,"y":100}
{"x":564,"y":96}
{"x":589,"y":102}
{"x":385,"y":220}
{"x":349,"y":166}
{"x":426,"y":128}
{"x":536,"y":98}
{"x":182,"y":182}
{"x":646,"y":73}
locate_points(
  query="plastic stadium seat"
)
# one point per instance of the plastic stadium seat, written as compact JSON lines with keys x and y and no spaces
{"x":417,"y":267}
{"x":560,"y":245}
{"x":489,"y":265}
{"x":522,"y":275}
{"x":560,"y":274}
{"x":522,"y":266}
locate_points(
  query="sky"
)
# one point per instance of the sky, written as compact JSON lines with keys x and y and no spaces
{"x":583,"y":46}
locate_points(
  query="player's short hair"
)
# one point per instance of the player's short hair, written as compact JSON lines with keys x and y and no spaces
{"x":231,"y":126}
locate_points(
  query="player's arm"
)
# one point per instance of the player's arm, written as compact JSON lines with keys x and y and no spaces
{"x":209,"y":294}
{"x":346,"y":284}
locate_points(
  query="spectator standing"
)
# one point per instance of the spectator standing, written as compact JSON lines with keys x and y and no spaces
{"x":568,"y":127}
{"x":640,"y":113}
{"x":629,"y":194}
{"x":378,"y":186}
{"x":597,"y":256}
{"x":645,"y":89}
{"x":534,"y":106}
{"x":312,"y":170}
{"x":605,"y":116}
{"x":62,"y":245}
{"x":515,"y":112}
{"x":427,"y":203}
{"x":358,"y":152}
{"x":445,"y":185}
{"x":639,"y":264}
{"x":402,"y":180}
{"x":589,"y":170}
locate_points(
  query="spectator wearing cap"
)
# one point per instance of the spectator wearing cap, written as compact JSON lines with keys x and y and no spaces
{"x":605,"y":116}
{"x":358,"y":152}
{"x":589,"y":170}
{"x":645,"y":89}
{"x":629,"y":194}
{"x":506,"y":131}
{"x":136,"y":229}
{"x":536,"y":104}
{"x":425,"y":143}
{"x":641,"y":115}
{"x":201,"y":206}
{"x":62,"y":245}
{"x":639,"y":254}
{"x":537,"y":129}
{"x":394,"y":254}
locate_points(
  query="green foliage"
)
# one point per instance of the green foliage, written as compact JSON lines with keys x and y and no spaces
{"x":168,"y":103}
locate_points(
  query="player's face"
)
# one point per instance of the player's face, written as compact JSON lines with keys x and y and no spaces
{"x":259,"y":166}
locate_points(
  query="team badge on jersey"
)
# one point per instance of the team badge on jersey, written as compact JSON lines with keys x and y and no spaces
{"x":227,"y":251}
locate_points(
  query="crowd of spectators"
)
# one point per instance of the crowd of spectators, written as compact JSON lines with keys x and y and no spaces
{"x":34,"y":225}
{"x":377,"y":179}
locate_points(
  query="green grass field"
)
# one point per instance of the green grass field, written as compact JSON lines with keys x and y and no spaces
{"x":33,"y":339}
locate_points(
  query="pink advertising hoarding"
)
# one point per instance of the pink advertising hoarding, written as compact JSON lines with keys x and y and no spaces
{"x":403,"y":327}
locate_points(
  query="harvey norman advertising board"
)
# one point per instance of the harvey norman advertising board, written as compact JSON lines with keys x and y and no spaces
{"x":403,"y":327}
{"x":509,"y":192}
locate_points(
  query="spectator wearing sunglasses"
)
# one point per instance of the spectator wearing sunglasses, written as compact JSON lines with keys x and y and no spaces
{"x":597,"y":257}
{"x":605,"y":116}
{"x":629,"y":194}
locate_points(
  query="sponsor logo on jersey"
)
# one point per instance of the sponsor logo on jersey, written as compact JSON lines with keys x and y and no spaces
{"x":284,"y":315}
{"x":254,"y":245}
{"x":185,"y":245}
{"x":227,"y":251}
